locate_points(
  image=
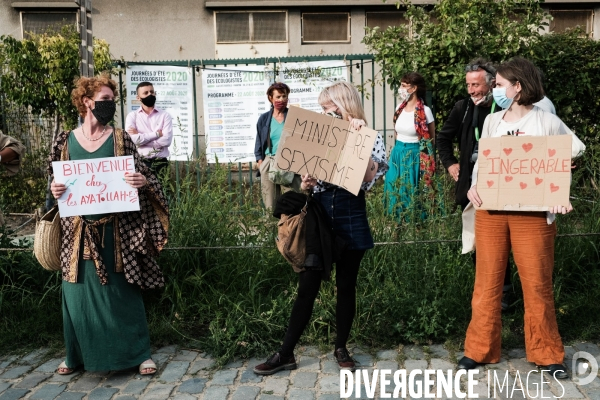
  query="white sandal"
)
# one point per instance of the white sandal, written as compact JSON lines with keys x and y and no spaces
{"x":148,"y":364}
{"x":67,"y":370}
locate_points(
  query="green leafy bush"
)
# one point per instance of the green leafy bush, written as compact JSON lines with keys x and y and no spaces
{"x":442,"y":41}
{"x":36,"y":78}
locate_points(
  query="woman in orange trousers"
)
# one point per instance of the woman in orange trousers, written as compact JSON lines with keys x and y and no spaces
{"x":530,"y":235}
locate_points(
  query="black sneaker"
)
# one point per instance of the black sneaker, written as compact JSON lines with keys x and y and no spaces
{"x":556,"y":370}
{"x":275,"y":363}
{"x":344,"y":360}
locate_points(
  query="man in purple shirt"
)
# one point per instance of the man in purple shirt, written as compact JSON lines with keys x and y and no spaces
{"x":151,"y":129}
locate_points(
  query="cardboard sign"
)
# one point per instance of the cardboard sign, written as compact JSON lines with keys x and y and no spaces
{"x":96,"y":186}
{"x":325,"y":147}
{"x":528,"y":173}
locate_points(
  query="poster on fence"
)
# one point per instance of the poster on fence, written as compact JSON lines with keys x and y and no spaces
{"x":234,"y":97}
{"x":307,"y":79}
{"x":325,"y":147}
{"x":174,"y":94}
{"x":95,"y":186}
{"x":528,"y":173}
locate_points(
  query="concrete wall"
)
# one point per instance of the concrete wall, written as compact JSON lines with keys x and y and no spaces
{"x":139,"y":30}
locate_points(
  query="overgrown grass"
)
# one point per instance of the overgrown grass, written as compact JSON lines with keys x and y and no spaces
{"x":235,"y":302}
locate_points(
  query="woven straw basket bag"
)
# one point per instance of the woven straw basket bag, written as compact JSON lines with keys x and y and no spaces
{"x":46,"y":246}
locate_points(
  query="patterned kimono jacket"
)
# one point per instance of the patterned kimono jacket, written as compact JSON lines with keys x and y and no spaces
{"x":139,"y":235}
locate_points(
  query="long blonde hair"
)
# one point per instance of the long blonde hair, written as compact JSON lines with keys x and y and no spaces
{"x":346,"y":98}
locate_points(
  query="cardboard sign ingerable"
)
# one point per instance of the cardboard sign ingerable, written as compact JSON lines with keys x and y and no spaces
{"x":325,"y":147}
{"x":96,"y":186}
{"x":528,"y":173}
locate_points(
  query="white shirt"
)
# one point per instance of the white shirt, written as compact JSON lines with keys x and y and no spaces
{"x":546,"y":105}
{"x":405,"y":125}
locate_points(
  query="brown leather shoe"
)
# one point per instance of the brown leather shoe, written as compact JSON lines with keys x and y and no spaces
{"x":344,"y":360}
{"x":275,"y":363}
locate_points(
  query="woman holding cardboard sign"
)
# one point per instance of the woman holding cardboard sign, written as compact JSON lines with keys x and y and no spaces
{"x":349,"y":220}
{"x":107,"y":259}
{"x":268,"y":132}
{"x":412,"y":159}
{"x":529,"y":234}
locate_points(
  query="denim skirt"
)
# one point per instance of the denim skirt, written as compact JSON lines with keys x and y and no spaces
{"x":348,"y":215}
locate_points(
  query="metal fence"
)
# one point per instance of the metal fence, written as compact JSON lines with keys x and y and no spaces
{"x":378,"y":99}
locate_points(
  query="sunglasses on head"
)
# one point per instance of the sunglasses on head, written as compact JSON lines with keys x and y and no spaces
{"x":475,"y":67}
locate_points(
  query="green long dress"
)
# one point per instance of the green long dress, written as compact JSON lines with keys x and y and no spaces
{"x":105,"y":326}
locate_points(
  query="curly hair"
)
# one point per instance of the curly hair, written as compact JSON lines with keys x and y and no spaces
{"x":88,"y":87}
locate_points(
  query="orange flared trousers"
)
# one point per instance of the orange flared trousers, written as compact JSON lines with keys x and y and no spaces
{"x":532,"y":243}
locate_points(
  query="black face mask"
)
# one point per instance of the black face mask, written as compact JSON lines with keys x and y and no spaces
{"x":104,"y":111}
{"x":149,"y":101}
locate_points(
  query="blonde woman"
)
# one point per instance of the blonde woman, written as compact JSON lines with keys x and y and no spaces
{"x":349,"y":220}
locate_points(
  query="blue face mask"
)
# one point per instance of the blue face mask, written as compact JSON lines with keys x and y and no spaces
{"x":500,"y":97}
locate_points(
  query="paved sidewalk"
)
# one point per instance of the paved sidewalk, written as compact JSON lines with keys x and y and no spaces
{"x":186,"y":375}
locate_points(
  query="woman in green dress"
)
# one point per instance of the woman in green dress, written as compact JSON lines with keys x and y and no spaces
{"x":108,"y":259}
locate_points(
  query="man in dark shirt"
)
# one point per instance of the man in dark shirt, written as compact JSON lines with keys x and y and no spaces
{"x":465,"y":124}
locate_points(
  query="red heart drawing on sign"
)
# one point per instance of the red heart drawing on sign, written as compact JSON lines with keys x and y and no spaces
{"x":538,"y":181}
{"x":507,"y":151}
{"x":551,"y":152}
{"x":553,"y":187}
{"x":486,"y":152}
{"x":490,"y":183}
{"x":523,"y":185}
{"x":527,"y":147}
{"x":508,"y":178}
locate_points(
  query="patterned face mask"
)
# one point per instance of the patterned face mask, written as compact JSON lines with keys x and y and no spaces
{"x":104,"y":111}
{"x":403,"y":95}
{"x":334,"y":114}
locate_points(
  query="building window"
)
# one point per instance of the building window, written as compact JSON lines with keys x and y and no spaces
{"x":563,"y":20}
{"x":326,"y":27}
{"x":386,"y":19}
{"x":42,"y":22}
{"x":251,"y":27}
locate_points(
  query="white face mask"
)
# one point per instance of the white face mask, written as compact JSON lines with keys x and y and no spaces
{"x":403,"y":95}
{"x":482,"y":100}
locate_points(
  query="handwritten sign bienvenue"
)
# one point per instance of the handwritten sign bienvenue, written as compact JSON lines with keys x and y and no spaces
{"x":325,"y":147}
{"x":96,"y":186}
{"x":528,"y":173}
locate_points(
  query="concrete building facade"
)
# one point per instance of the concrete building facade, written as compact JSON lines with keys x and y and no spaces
{"x":140,"y":30}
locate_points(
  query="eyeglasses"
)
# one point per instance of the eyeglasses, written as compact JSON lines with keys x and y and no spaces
{"x":475,"y":67}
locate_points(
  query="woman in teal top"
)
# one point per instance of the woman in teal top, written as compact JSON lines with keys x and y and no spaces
{"x":108,"y":259}
{"x":268,"y":132}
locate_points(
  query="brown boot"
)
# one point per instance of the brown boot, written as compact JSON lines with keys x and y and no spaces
{"x":343,"y":359}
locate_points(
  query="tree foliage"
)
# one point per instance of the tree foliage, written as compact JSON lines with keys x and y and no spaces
{"x":39,"y":71}
{"x":571,"y":64}
{"x":440,"y":42}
